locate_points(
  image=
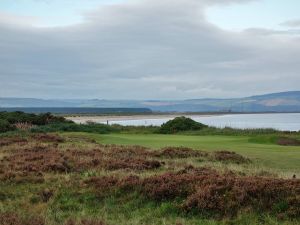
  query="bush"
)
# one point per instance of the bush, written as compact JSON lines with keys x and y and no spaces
{"x":5,"y":126}
{"x":20,"y":120}
{"x":40,"y":119}
{"x":72,"y":127}
{"x":180,"y":124}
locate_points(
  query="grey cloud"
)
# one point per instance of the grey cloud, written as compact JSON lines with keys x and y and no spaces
{"x":263,"y":31}
{"x":145,"y":49}
{"x":291,"y":23}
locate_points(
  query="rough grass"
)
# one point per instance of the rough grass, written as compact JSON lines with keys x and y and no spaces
{"x":267,"y":154}
{"x":74,"y":179}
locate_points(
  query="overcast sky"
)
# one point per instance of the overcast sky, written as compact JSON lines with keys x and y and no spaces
{"x":148,"y":49}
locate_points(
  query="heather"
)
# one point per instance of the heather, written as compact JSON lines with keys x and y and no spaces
{"x":49,"y":178}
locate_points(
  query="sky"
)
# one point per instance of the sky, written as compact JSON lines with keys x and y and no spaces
{"x":148,"y":49}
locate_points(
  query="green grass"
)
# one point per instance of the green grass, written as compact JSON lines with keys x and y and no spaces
{"x":265,"y":153}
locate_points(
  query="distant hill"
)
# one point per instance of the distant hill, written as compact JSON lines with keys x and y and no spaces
{"x":275,"y":102}
{"x":78,"y":110}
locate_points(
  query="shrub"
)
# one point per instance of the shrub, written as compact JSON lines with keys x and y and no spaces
{"x":20,"y":120}
{"x":180,"y":124}
{"x":36,"y":119}
{"x":287,"y":141}
{"x":5,"y":126}
{"x":72,"y":127}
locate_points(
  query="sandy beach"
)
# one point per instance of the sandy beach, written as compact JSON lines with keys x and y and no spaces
{"x":105,"y":119}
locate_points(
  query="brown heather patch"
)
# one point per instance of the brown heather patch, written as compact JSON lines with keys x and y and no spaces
{"x":5,"y":141}
{"x":227,"y":156}
{"x":84,"y":159}
{"x":31,"y":161}
{"x":286,"y":141}
{"x":19,"y":178}
{"x":103,"y":184}
{"x":133,"y":164}
{"x":208,"y":192}
{"x":48,"y":138}
{"x":227,"y":195}
{"x":84,"y":222}
{"x":111,"y":158}
{"x":111,"y":183}
{"x":11,"y":218}
{"x":36,"y":159}
{"x":75,"y":138}
{"x":121,"y":151}
{"x":180,"y":152}
{"x":172,"y":185}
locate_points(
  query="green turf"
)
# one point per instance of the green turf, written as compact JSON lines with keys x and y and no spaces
{"x":283,"y":158}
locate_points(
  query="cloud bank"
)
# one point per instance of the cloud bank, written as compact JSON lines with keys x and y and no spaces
{"x":148,"y":49}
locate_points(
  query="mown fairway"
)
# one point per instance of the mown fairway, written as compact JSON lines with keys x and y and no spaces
{"x":279,"y":158}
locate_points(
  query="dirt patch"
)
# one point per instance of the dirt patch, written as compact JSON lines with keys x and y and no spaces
{"x":286,"y":141}
{"x":180,"y":152}
{"x":227,"y":156}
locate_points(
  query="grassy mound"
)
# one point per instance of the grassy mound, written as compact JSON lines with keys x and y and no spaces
{"x":180,"y":124}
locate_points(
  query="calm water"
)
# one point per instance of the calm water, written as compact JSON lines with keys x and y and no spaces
{"x":279,"y":121}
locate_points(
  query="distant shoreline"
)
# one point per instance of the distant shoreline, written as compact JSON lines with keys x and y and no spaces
{"x":105,"y":118}
{"x":112,"y":117}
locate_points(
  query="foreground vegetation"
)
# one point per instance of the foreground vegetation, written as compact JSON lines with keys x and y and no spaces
{"x":63,"y":173}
